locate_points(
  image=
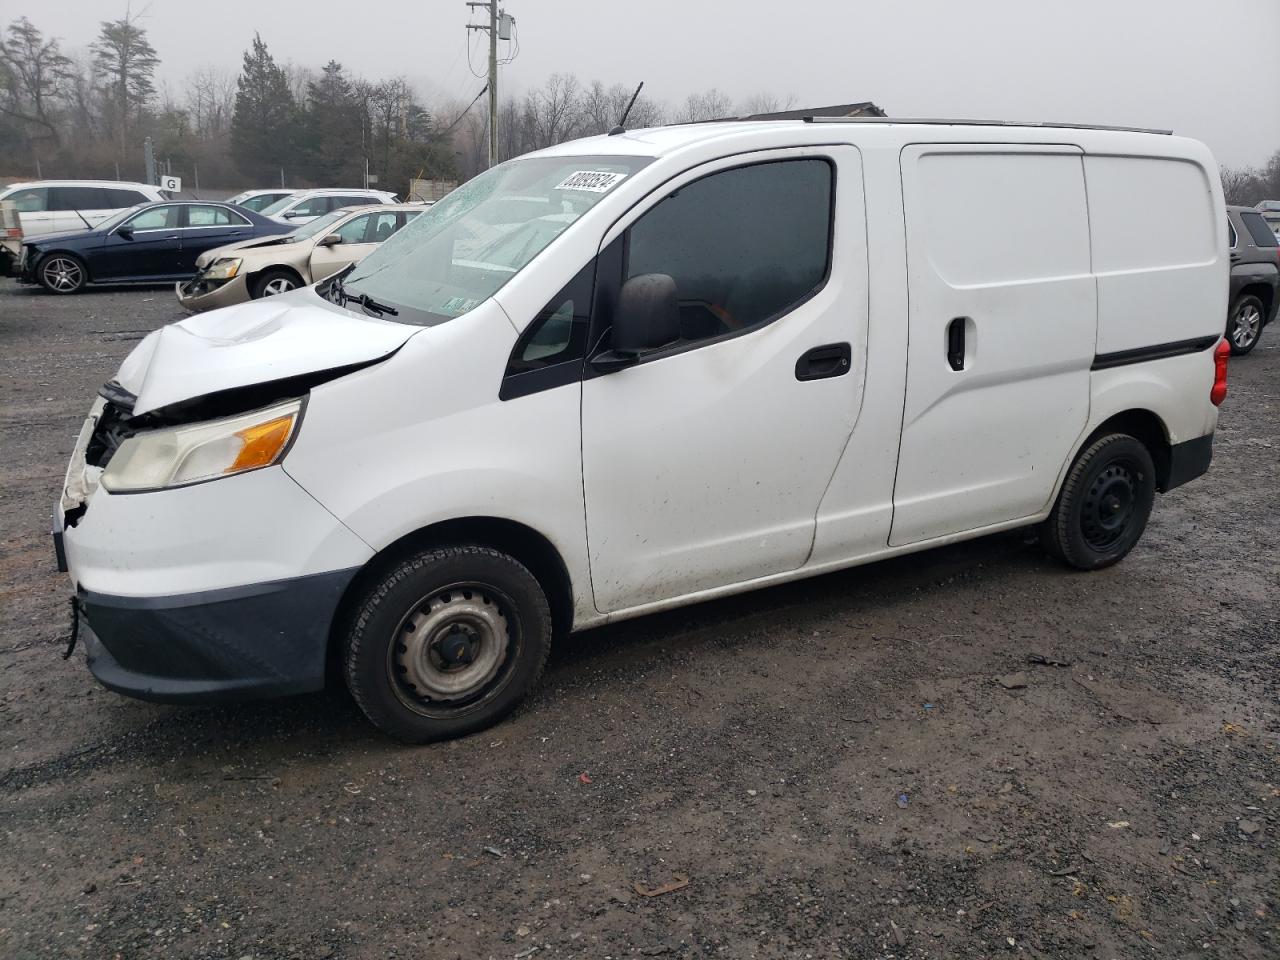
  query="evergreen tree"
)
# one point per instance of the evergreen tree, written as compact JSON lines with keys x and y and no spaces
{"x":335,"y":129}
{"x":126,"y":62}
{"x":263,"y":125}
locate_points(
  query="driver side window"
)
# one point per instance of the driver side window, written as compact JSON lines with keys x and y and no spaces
{"x":155,"y":218}
{"x":743,"y":245}
{"x":353,"y":231}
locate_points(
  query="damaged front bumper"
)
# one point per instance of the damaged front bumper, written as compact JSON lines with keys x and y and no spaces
{"x":260,"y":640}
{"x":200,"y":293}
{"x":217,"y":590}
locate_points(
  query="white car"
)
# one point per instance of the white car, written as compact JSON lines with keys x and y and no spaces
{"x":306,"y":205}
{"x":258,"y":200}
{"x":57,"y":206}
{"x":634,"y":372}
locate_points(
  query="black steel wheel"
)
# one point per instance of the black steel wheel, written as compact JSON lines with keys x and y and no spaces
{"x":447,"y":642}
{"x":1104,"y":504}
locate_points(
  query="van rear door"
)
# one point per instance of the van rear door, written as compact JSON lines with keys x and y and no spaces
{"x":1002,"y":328}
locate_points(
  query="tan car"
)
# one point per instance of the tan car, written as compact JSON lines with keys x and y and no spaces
{"x":266,"y":266}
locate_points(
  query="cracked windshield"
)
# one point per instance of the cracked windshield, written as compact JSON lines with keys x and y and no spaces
{"x":464,"y":248}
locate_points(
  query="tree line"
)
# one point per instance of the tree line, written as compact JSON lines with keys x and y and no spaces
{"x":87,"y":115}
{"x":1250,"y":185}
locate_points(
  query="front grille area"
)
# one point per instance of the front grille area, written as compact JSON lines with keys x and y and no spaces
{"x":110,"y":431}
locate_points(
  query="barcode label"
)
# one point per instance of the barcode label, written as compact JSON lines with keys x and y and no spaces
{"x":594,"y":181}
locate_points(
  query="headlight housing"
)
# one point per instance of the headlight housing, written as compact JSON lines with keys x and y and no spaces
{"x":223,"y":269}
{"x":194,"y":453}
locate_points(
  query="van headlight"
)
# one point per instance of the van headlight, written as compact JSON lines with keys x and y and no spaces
{"x":223,"y":269}
{"x":176,"y":456}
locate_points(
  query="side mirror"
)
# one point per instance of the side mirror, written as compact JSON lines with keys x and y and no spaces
{"x":290,"y":214}
{"x":647,"y":317}
{"x":125,"y":231}
{"x":329,"y":240}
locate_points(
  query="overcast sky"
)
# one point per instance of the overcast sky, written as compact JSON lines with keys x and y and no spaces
{"x":1209,"y":69}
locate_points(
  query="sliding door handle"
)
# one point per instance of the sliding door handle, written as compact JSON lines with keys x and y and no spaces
{"x":955,"y":343}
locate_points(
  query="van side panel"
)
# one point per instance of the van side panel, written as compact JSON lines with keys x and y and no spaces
{"x":1159,"y":251}
{"x":998,"y":252}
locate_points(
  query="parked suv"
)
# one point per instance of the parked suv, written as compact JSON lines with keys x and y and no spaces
{"x":1255,"y":278}
{"x":302,"y":207}
{"x":259,"y":200}
{"x":55,"y":206}
{"x":1270,"y":210}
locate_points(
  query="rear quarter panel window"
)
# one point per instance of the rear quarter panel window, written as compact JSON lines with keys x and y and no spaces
{"x":1258,"y":229}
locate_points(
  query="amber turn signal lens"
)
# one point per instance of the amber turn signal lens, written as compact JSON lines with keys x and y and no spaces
{"x":262,"y":444}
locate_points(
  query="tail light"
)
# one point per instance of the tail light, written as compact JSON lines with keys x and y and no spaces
{"x":1220,"y":354}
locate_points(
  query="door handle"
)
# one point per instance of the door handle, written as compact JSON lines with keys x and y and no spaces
{"x":828,"y":360}
{"x":955,"y":343}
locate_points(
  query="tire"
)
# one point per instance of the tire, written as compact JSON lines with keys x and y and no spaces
{"x":1104,"y":504}
{"x":447,"y":642}
{"x":275,"y":282}
{"x":1244,"y":324}
{"x":62,"y":273}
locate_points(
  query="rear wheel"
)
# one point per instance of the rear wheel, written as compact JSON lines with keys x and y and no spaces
{"x":447,"y":642}
{"x":274,"y":282}
{"x":1244,"y":325}
{"x":62,"y":273}
{"x":1104,"y":504}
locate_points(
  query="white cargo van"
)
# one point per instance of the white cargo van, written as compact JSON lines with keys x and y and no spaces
{"x":637,"y":371}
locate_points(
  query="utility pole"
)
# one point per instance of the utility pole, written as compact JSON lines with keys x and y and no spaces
{"x":492,"y":28}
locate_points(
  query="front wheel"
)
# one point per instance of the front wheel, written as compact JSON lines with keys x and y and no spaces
{"x":62,"y":273}
{"x":447,"y":642}
{"x":274,"y":282}
{"x":1104,"y":504}
{"x":1244,"y":326}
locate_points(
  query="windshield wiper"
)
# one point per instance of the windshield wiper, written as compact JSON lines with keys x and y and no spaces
{"x":342,"y":296}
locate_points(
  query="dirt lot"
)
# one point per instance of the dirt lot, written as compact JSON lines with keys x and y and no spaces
{"x":832,"y":765}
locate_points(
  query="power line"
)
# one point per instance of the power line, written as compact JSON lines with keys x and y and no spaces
{"x":458,"y":118}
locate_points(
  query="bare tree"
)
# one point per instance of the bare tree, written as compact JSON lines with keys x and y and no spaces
{"x":299,"y":78}
{"x":553,"y":112}
{"x":602,"y":108}
{"x":766,"y":103}
{"x":34,"y":80}
{"x":709,"y":105}
{"x":1239,"y":185}
{"x":209,"y":94}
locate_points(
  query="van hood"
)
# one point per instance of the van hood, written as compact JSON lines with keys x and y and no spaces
{"x":273,"y":240}
{"x":251,"y":344}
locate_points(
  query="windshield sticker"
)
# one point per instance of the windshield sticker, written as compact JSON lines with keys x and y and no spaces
{"x":459,"y":305}
{"x":593,"y":181}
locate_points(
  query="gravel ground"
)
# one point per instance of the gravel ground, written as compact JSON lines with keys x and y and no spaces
{"x":829,"y":769}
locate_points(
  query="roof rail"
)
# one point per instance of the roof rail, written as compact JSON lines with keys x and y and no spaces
{"x":985,"y":123}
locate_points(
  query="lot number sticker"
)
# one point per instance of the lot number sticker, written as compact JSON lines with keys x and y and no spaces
{"x":594,"y":181}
